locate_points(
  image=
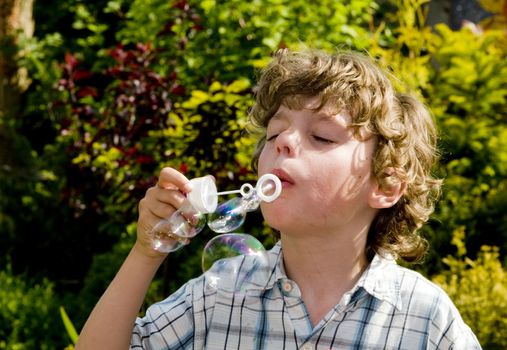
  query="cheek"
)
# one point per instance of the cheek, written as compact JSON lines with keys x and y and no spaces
{"x":263,"y":161}
{"x":278,"y":216}
{"x":326,"y":194}
{"x":362,"y":159}
{"x":339,"y":180}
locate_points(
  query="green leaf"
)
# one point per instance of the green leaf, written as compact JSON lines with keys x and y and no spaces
{"x":238,"y":85}
{"x":71,"y":330}
{"x":198,"y":97}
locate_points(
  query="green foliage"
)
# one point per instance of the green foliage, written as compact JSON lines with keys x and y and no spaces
{"x":28,"y":314}
{"x":213,"y":124}
{"x":26,"y":190}
{"x":15,"y":162}
{"x":479,"y":290}
{"x":402,"y":42}
{"x":468,"y":95}
{"x":225,"y":40}
{"x":85,"y":26}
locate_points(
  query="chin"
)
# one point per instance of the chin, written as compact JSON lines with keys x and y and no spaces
{"x":276,"y":218}
{"x":269,"y":214}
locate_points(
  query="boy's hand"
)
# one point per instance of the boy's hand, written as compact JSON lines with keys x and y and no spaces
{"x":158,"y":204}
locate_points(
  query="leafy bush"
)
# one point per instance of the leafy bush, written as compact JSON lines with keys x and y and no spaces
{"x":479,"y":290}
{"x":224,"y":40}
{"x":29,"y":316}
{"x":468,"y":94}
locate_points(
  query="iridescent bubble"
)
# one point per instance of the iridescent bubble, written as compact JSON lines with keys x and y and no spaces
{"x":235,"y":262}
{"x":231,"y":214}
{"x":228,"y":216}
{"x":229,"y":245}
{"x":170,"y":235}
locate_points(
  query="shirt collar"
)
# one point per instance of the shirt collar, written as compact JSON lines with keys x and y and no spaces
{"x":276,"y":260}
{"x":380,"y":279}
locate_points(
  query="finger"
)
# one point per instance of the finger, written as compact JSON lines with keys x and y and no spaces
{"x":149,"y":218}
{"x":160,"y":210}
{"x":159,"y":203}
{"x":156,"y":194}
{"x":170,"y":178}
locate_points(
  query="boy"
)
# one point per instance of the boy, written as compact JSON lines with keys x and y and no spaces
{"x":354,"y":158}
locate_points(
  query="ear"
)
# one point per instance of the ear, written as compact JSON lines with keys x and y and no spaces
{"x":382,"y":198}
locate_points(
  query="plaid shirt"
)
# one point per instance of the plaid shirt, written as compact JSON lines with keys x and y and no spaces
{"x":390,"y":307}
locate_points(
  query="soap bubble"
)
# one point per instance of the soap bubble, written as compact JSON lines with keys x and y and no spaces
{"x":229,"y":245}
{"x":228,"y":216}
{"x":235,"y":262}
{"x":171,"y":234}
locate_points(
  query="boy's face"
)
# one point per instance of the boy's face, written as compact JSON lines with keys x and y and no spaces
{"x":325,"y":171}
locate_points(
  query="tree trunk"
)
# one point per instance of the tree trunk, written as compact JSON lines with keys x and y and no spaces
{"x":15,"y":19}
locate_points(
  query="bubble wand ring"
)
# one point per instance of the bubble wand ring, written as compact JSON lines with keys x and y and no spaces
{"x":264,"y":185}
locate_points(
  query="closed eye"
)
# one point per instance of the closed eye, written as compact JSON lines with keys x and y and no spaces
{"x":271,"y":138}
{"x":322,"y":139}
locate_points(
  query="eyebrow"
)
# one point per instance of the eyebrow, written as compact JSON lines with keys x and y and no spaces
{"x":320,"y":116}
{"x":277,"y":115}
{"x":332,"y":120}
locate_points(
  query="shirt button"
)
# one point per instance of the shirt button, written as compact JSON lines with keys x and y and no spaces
{"x":307,"y":347}
{"x":287,"y":287}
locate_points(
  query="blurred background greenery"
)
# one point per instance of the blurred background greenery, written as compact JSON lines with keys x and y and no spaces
{"x":97,"y":96}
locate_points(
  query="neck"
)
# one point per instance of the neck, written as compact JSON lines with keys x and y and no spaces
{"x":324,"y":258}
{"x":325,"y":266}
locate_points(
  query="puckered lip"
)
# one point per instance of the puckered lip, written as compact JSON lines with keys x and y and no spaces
{"x":282,"y":175}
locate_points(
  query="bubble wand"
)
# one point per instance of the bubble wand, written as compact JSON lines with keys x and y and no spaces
{"x":173,"y":233}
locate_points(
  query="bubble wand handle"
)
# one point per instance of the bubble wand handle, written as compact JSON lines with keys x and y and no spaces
{"x":228,"y":192}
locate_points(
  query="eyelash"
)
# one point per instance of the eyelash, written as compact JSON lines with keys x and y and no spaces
{"x":317,"y":138}
{"x":322,"y":139}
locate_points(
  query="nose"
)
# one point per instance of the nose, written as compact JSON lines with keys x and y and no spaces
{"x":287,"y":143}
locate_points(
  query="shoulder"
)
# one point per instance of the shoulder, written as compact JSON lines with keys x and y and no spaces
{"x":416,"y":288}
{"x":418,"y":293}
{"x":424,"y":301}
{"x":402,"y":287}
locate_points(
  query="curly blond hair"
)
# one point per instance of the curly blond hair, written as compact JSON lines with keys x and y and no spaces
{"x":404,"y":129}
